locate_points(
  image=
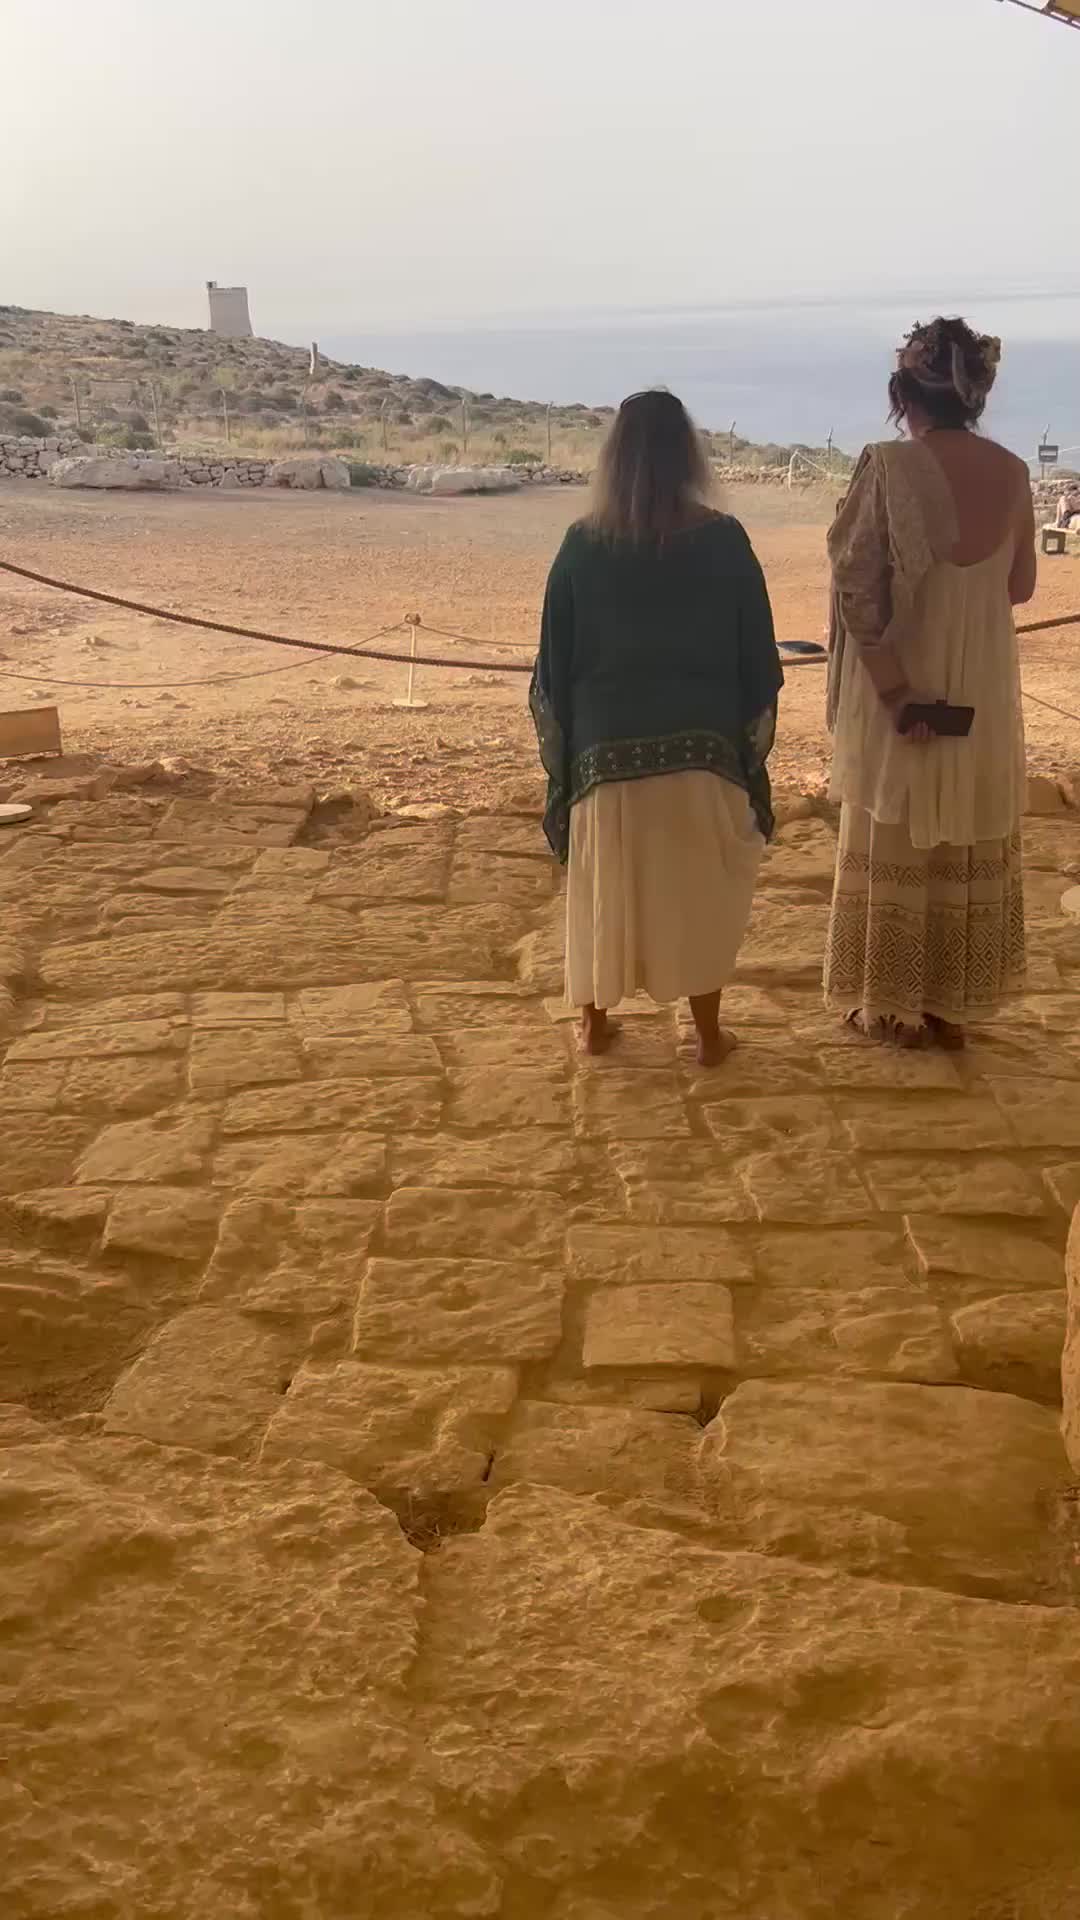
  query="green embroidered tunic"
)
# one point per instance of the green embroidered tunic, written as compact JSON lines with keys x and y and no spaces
{"x":655,"y":659}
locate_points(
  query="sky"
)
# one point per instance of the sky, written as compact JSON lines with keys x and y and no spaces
{"x":366,"y":166}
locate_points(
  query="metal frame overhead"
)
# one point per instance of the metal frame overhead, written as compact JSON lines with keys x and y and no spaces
{"x":1065,"y":12}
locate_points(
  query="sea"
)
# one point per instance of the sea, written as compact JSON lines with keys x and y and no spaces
{"x":784,"y":371}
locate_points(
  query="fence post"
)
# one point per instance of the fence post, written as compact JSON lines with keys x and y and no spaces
{"x":549,"y":405}
{"x":412,"y":621}
{"x":157,"y":415}
{"x":225,"y":413}
{"x":77,"y":403}
{"x":382,"y":414}
{"x":464,"y":425}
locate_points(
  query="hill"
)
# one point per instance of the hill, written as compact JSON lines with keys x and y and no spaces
{"x":105,"y":376}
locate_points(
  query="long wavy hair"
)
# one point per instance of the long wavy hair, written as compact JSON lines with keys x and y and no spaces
{"x":653,"y":475}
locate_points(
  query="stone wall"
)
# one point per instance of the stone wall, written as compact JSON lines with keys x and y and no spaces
{"x":30,"y":459}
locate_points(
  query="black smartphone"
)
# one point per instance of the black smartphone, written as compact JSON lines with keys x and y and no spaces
{"x":953,"y":723}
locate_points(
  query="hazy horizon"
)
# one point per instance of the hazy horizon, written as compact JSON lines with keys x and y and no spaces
{"x":577,"y":194}
{"x":369,"y":169}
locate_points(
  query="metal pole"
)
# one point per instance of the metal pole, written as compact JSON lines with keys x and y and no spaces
{"x":549,"y":404}
{"x":77,"y":402}
{"x":382,"y":411}
{"x":731,"y":445}
{"x":412,"y":621}
{"x":225,"y":412}
{"x":828,"y":448}
{"x":157,"y":415}
{"x":464,"y":425}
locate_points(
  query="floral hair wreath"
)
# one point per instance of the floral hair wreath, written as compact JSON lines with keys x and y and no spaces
{"x":920,"y":350}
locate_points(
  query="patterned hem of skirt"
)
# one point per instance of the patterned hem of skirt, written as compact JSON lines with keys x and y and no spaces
{"x":847,"y":1004}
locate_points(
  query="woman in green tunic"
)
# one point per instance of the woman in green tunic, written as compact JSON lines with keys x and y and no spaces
{"x":654,"y":698}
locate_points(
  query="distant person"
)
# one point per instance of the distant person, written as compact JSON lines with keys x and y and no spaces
{"x":654,"y":698}
{"x":931,"y":550}
{"x":1068,"y":507}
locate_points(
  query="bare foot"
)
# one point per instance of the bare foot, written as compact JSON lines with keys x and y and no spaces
{"x":713,"y":1048}
{"x":944,"y":1034}
{"x":909,"y":1039}
{"x":596,"y":1033}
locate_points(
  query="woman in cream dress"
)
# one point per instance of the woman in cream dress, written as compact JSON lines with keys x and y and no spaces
{"x":931,"y":550}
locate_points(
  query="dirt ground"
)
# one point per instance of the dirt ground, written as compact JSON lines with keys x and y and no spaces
{"x":338,"y":567}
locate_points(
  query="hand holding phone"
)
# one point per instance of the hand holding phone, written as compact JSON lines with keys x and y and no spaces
{"x":937,"y":718}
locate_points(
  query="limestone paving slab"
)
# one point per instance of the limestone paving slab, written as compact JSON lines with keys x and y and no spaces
{"x":680,"y":1324}
{"x":977,"y":1184}
{"x":640,"y":1105}
{"x":293,"y":1164}
{"x":377,"y":1009}
{"x":483,"y":1222}
{"x":678,"y":1182}
{"x":143,"y":1083}
{"x":302,"y":1259}
{"x":493,"y":1098}
{"x":428,"y":1311}
{"x":408,"y":1104}
{"x":127,"y":1009}
{"x":223,"y":1060}
{"x":1062,"y":1183}
{"x":774,"y":1122}
{"x":41,"y":1150}
{"x":347,"y":1057}
{"x":976,"y":1252}
{"x":886,"y":1332}
{"x":870,"y":1068}
{"x":176,"y":1223}
{"x":479,"y":876}
{"x":938,"y":1485}
{"x":767,"y":1063}
{"x":240,"y":1603}
{"x":211,"y":1379}
{"x":924,"y":1122}
{"x":164,"y":1149}
{"x":504,"y":834}
{"x":521,"y":1158}
{"x":1012,"y":1343}
{"x":471,"y":1003}
{"x":89,"y":1042}
{"x":1041,"y":1113}
{"x":841,"y":1257}
{"x":31,"y":1086}
{"x":403,"y":1432}
{"x":236,"y":1009}
{"x":802,"y":1189}
{"x":511,"y":1048}
{"x":619,"y":1453}
{"x":377,"y":873}
{"x":629,"y":1253}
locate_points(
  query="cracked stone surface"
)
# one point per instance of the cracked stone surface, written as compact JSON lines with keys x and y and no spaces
{"x":441,"y":1475}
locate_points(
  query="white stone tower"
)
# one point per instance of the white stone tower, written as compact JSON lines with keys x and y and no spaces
{"x":229,"y":311}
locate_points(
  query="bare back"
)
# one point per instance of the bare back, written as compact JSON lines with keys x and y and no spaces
{"x":992,"y":497}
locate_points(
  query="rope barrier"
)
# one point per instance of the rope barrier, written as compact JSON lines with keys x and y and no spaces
{"x":364,"y":649}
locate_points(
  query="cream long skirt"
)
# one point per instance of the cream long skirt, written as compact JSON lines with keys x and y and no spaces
{"x":916,"y":931}
{"x":661,"y":881}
